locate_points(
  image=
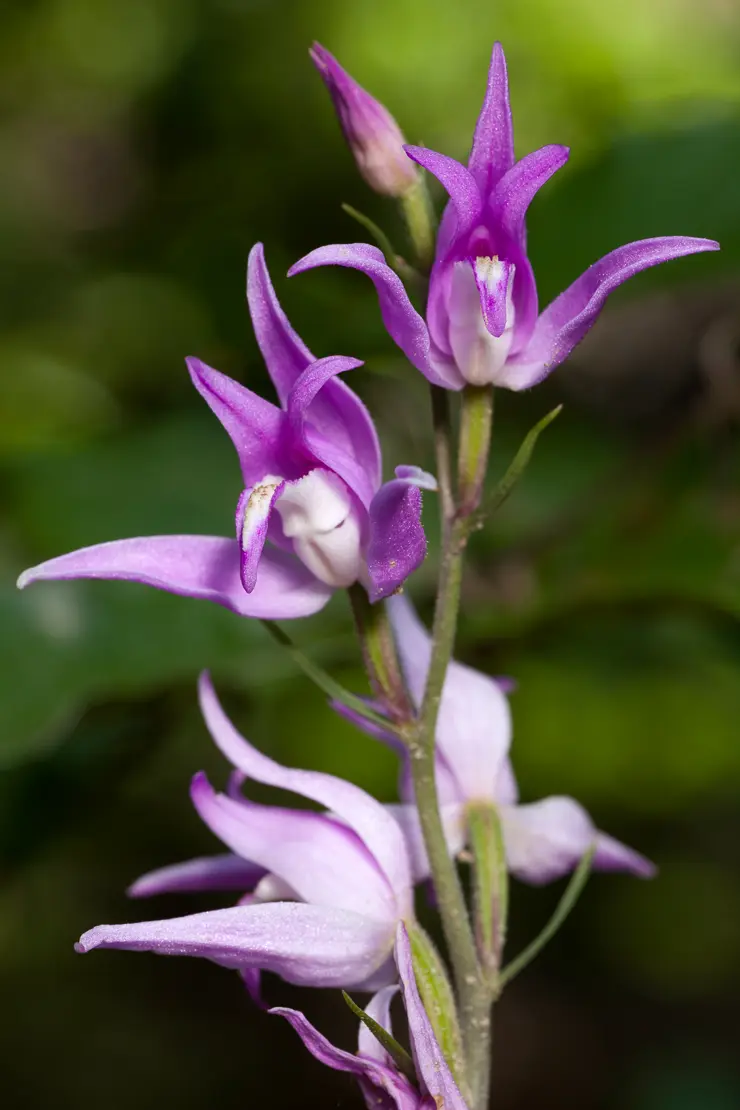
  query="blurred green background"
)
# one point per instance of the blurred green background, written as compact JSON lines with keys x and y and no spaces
{"x":144,"y":146}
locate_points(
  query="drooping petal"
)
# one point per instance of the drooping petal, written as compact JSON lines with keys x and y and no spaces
{"x":253,"y":511}
{"x":222,"y":872}
{"x":564,"y":323}
{"x":196,"y":566}
{"x":359,"y":810}
{"x":312,"y":946}
{"x":493,"y":143}
{"x":254,"y":426}
{"x":517,"y":188}
{"x":431,"y":1065}
{"x":453,"y":822}
{"x":379,"y":1009}
{"x":458,"y":182}
{"x":547,"y":839}
{"x":494,"y":279}
{"x":397,"y":544}
{"x":474,"y":723}
{"x":327,"y":449}
{"x":337,"y":413}
{"x":390,"y":1089}
{"x":320,"y":859}
{"x":402,"y":322}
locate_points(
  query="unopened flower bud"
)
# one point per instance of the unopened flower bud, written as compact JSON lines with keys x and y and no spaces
{"x":373,"y":135}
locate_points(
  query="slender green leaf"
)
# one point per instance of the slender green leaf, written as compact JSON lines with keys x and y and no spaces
{"x":565,"y":905}
{"x":389,"y":1043}
{"x":520,"y":462}
{"x":324,"y":680}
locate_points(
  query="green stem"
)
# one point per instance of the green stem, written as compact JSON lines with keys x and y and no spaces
{"x":472,"y":990}
{"x":324,"y":680}
{"x":476,"y":419}
{"x":443,"y":452}
{"x":419,"y":217}
{"x":379,"y":653}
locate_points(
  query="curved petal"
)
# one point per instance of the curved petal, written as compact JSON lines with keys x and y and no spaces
{"x":337,"y":413}
{"x":205,"y":567}
{"x":323,"y":861}
{"x":458,"y":182}
{"x":397,"y":544}
{"x":253,"y":511}
{"x":376,"y":828}
{"x":517,"y":188}
{"x":474,"y":723}
{"x":312,"y":946}
{"x":390,"y":1089}
{"x":564,"y":323}
{"x":222,"y":872}
{"x":330,"y":450}
{"x":547,"y":839}
{"x":453,"y":823}
{"x":379,"y":1009}
{"x":493,"y":143}
{"x":402,"y":322}
{"x":430,"y":1063}
{"x":254,"y":426}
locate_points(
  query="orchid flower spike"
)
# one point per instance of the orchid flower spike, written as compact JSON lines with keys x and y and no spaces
{"x":543,"y":840}
{"x":383,"y":1085}
{"x":332,"y":886}
{"x":482,"y":323}
{"x":311,"y":471}
{"x":370,"y":130}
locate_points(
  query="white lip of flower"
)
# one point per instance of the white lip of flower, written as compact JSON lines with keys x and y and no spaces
{"x":318,"y":514}
{"x":479,"y":356}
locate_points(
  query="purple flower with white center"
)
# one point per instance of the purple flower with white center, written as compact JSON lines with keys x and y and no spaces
{"x":482,"y":322}
{"x":332,"y":886}
{"x":370,"y":130}
{"x":311,"y":471}
{"x":383,"y":1085}
{"x":544,"y":840}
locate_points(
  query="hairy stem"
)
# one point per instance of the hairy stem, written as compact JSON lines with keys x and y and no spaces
{"x":472,"y":990}
{"x":476,"y":418}
{"x":419,"y":216}
{"x":379,"y":654}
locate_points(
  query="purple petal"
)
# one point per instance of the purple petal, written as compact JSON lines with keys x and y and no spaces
{"x":547,"y":839}
{"x":397,"y":544}
{"x":564,"y":323}
{"x":313,"y":946}
{"x":517,"y":188}
{"x":253,"y":511}
{"x":379,"y":1009}
{"x":453,"y":822}
{"x":196,"y":566}
{"x":359,"y":810}
{"x":390,"y":1089}
{"x":255,"y":427}
{"x":328,"y":449}
{"x":430,"y":1062}
{"x":320,"y":859}
{"x":337,"y":413}
{"x":458,"y":182}
{"x":492,"y":279}
{"x":252,"y":979}
{"x":402,"y":322}
{"x":224,"y":872}
{"x":474,"y":723}
{"x":418,"y":477}
{"x":493,"y":143}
